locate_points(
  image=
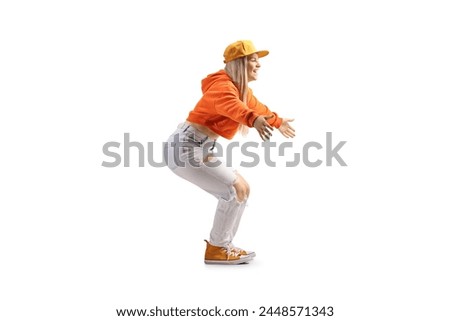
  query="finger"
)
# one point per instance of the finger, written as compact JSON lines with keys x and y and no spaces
{"x":261,"y":133}
{"x":290,"y":133}
{"x":266,"y":133}
{"x":267,"y":129}
{"x":266,"y":124}
{"x":268,"y":116}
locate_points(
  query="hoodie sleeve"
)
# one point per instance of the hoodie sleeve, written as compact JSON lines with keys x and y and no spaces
{"x":262,"y":109}
{"x":227,"y":103}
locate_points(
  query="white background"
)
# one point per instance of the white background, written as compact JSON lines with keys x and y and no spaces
{"x":79,"y":240}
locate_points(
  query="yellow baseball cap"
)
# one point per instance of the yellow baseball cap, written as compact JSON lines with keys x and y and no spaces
{"x":240,"y":49}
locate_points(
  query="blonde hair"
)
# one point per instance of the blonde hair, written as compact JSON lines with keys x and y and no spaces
{"x":237,"y":71}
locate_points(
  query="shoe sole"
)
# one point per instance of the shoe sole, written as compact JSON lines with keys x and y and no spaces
{"x":251,"y":254}
{"x":242,"y":260}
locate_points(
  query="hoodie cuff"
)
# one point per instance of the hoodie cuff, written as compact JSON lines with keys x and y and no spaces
{"x":277,"y":122}
{"x":251,"y":119}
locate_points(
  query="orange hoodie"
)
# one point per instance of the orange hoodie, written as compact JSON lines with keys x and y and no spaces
{"x":221,"y":110}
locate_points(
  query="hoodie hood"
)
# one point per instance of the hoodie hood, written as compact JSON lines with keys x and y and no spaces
{"x":211,"y":79}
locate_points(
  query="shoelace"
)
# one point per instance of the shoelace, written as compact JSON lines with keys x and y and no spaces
{"x":236,"y":249}
{"x":230,"y":251}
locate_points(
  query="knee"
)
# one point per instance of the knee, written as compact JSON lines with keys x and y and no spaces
{"x":247,"y":189}
{"x":242,"y":189}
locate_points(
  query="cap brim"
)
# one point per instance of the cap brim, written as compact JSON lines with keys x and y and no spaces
{"x":262,"y":53}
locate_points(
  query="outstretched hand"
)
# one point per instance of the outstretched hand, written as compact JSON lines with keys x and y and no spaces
{"x":263,"y":127}
{"x":286,"y":129}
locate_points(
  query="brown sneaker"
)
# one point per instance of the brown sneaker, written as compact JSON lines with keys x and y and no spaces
{"x":243,"y":252}
{"x":223,"y":255}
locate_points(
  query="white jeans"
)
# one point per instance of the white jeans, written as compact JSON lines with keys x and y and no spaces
{"x":186,"y":152}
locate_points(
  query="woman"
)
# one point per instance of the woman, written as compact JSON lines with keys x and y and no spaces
{"x":227,"y":105}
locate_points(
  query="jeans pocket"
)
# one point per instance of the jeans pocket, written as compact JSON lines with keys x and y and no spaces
{"x":190,"y":137}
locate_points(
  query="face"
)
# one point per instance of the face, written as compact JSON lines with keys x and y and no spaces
{"x":252,"y":67}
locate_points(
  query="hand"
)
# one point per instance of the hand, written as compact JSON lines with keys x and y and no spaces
{"x":263,"y":127}
{"x":285,"y":129}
